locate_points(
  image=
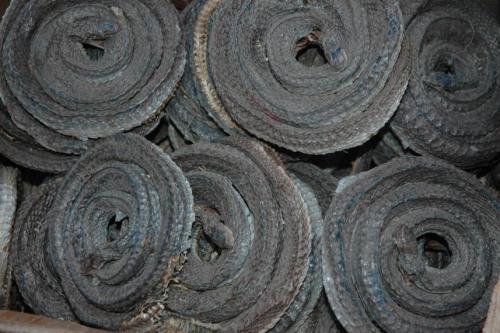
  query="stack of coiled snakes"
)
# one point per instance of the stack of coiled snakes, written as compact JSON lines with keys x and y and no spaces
{"x":250,"y":165}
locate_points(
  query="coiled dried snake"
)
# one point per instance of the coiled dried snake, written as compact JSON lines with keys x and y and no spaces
{"x":429,"y":258}
{"x":71,"y":71}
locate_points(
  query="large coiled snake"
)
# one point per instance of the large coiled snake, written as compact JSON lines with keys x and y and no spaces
{"x":311,"y":76}
{"x":412,"y":247}
{"x":450,"y":109}
{"x":250,"y":242}
{"x":71,"y":71}
{"x":111,"y":233}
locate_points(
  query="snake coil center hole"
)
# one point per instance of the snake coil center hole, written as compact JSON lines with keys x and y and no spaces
{"x":309,"y":51}
{"x":435,"y":250}
{"x":93,"y":52}
{"x":114,"y":229}
{"x":445,"y":66}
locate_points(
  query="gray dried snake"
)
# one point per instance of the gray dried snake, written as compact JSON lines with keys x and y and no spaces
{"x":8,"y":205}
{"x":187,"y":110}
{"x":321,"y":318}
{"x":71,"y":71}
{"x":250,"y":241}
{"x":322,"y":183}
{"x":36,"y":280}
{"x":310,"y":312}
{"x":122,"y":219}
{"x":306,"y":300}
{"x":450,"y":109}
{"x":430,"y":254}
{"x":251,"y":69}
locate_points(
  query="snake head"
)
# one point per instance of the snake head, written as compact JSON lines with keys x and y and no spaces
{"x":410,"y":262}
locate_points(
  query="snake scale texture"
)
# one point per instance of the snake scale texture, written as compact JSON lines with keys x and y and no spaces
{"x":248,"y":72}
{"x":420,"y":268}
{"x":8,"y":205}
{"x":250,"y":166}
{"x":88,"y":70}
{"x":450,"y":109}
{"x":251,"y":237}
{"x":123,"y":217}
